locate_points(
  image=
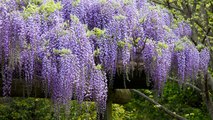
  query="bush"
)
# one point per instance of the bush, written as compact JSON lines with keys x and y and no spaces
{"x":42,"y":109}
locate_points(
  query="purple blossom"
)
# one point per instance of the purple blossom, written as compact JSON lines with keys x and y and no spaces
{"x":204,"y":60}
{"x":183,"y":29}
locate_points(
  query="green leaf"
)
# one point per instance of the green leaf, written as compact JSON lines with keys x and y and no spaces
{"x":98,"y":67}
{"x":63,"y":51}
{"x":76,"y":3}
{"x":98,"y":32}
{"x":96,"y":52}
{"x":74,"y":18}
{"x":119,"y":17}
{"x":162,"y":45}
{"x":121,"y":44}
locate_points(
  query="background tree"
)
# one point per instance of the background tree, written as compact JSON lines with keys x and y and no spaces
{"x":199,"y":15}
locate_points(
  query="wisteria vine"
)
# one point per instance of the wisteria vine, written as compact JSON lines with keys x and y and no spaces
{"x":77,"y":46}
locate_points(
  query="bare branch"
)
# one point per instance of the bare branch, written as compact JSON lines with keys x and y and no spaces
{"x":206,"y":35}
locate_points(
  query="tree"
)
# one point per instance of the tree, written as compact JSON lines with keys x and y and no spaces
{"x":76,"y":48}
{"x":198,"y":14}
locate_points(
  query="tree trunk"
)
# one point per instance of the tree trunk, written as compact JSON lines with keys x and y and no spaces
{"x":108,"y":112}
{"x":206,"y":96}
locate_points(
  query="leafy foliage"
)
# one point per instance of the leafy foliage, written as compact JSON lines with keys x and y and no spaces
{"x":185,"y":102}
{"x":38,"y":108}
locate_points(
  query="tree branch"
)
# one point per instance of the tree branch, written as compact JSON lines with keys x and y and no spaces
{"x":178,"y":117}
{"x":210,"y":80}
{"x":194,"y":5}
{"x":164,"y":4}
{"x":206,"y":35}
